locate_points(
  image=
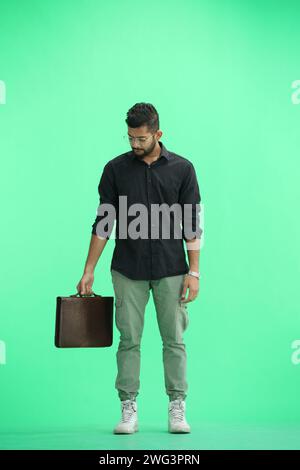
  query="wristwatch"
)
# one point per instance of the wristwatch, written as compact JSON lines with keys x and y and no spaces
{"x":195,"y":274}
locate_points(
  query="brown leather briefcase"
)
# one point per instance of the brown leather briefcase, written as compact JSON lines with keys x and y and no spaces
{"x":84,"y":321}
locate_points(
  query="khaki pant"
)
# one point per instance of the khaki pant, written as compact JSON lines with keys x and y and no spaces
{"x":131,"y":298}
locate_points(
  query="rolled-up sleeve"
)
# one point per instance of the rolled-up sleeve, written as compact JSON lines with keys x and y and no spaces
{"x":107,"y":195}
{"x":190,"y":194}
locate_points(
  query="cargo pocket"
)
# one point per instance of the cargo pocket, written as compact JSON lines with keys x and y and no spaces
{"x":182,"y":319}
{"x":118,"y":306}
{"x":185,"y":315}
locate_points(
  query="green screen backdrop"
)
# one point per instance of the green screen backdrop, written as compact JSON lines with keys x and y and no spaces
{"x":224,"y":77}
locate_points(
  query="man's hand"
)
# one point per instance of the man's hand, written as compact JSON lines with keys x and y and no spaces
{"x":191,"y":283}
{"x":84,"y":286}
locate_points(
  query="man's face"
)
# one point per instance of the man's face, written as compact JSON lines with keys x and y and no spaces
{"x":143,"y":142}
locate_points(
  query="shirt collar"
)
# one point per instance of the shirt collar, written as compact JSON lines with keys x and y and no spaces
{"x":163,"y":152}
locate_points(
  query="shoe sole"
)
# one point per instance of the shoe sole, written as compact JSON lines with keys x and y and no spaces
{"x":175,"y":431}
{"x":126,"y":432}
{"x":179,"y":432}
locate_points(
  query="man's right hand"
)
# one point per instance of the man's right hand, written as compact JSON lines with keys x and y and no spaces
{"x":84,"y":286}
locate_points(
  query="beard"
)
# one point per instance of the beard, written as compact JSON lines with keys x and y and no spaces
{"x":144,"y":152}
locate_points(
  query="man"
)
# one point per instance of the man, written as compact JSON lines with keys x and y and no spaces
{"x":149,"y":175}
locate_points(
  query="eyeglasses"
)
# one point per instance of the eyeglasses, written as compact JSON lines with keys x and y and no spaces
{"x":139,"y":139}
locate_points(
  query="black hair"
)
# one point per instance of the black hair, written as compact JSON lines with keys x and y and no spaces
{"x":143,"y":114}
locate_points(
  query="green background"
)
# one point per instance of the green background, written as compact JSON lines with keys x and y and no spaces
{"x":220,"y":75}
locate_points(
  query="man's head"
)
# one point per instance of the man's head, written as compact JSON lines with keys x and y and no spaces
{"x":143,"y":129}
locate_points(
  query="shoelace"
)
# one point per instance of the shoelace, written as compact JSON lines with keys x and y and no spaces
{"x":127,"y":411}
{"x":177,"y":411}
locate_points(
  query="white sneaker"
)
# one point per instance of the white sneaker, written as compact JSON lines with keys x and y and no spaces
{"x":177,"y":421}
{"x":129,"y":420}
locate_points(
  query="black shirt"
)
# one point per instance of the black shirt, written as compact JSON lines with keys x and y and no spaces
{"x":170,"y":179}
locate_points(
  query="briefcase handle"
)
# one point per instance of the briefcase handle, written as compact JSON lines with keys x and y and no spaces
{"x":85,"y":295}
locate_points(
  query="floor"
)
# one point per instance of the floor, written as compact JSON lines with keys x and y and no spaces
{"x":211,"y":436}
